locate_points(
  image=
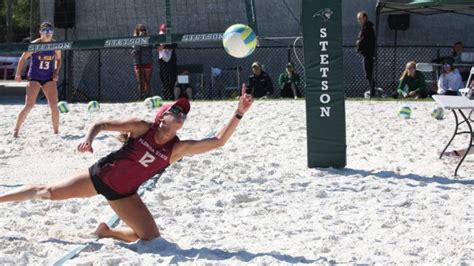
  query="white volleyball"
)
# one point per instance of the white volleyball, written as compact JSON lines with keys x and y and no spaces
{"x":63,"y":107}
{"x":93,"y":106}
{"x":158,"y":101}
{"x":239,"y":40}
{"x":437,"y":113}
{"x":404,"y":111}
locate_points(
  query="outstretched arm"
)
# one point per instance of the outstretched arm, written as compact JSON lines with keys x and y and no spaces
{"x":134,"y":126}
{"x":191,"y":147}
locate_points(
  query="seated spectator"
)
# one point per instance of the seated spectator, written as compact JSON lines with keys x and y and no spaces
{"x":260,"y":84}
{"x":450,"y":80}
{"x":412,"y":83}
{"x":182,"y":87}
{"x":289,"y":82}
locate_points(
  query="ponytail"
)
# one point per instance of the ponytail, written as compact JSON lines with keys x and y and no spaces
{"x":405,"y":72}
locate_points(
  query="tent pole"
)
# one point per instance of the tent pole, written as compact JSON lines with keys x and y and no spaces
{"x":377,"y":18}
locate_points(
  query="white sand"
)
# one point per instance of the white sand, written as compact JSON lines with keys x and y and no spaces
{"x":254,"y":200}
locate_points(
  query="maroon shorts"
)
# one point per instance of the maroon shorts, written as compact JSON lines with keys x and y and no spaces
{"x":103,"y":188}
{"x":143,"y":66}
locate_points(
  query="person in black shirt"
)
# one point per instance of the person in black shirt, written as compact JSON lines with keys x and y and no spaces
{"x":168,"y":66}
{"x":260,"y":84}
{"x":366,"y":47}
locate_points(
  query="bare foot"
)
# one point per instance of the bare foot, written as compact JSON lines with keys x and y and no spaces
{"x":15,"y":133}
{"x":102,"y":230}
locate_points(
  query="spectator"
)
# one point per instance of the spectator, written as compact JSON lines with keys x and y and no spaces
{"x":168,"y":66}
{"x":412,"y":83}
{"x":450,"y":80}
{"x":289,"y":82}
{"x":458,"y":49}
{"x":143,"y":63}
{"x":260,"y":84}
{"x":183,"y":87}
{"x":366,"y":47}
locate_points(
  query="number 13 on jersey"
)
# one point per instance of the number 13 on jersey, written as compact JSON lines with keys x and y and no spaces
{"x":44,"y":65}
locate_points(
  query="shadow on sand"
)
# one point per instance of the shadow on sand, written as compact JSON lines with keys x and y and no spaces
{"x":165,"y":248}
{"x":390,"y":174}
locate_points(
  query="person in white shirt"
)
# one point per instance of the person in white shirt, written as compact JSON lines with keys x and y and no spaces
{"x":450,"y":80}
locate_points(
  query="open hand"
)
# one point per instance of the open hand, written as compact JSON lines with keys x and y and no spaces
{"x":85,"y":147}
{"x":245,"y":101}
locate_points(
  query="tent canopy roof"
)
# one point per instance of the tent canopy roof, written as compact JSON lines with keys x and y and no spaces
{"x":427,"y":7}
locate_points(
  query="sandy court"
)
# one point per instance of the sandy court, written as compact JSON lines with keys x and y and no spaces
{"x":254,"y":200}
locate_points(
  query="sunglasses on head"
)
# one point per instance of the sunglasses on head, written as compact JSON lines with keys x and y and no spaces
{"x":176,"y":111}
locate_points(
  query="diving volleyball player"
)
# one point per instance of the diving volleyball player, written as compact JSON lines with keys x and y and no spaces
{"x":149,"y":148}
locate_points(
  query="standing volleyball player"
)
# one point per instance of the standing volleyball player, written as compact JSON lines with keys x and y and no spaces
{"x":149,"y":148}
{"x":143,"y":63}
{"x":43,"y":73}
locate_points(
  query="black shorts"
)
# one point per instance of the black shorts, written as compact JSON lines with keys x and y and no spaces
{"x":42,"y":82}
{"x":103,"y":188}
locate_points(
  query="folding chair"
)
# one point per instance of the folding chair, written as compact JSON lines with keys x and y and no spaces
{"x":469,"y":85}
{"x":468,"y":91}
{"x":428,"y":68}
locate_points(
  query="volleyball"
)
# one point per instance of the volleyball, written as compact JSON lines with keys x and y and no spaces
{"x":63,"y":107}
{"x":239,"y":40}
{"x":149,"y":103}
{"x":404,"y":111}
{"x":153,"y":102}
{"x":437,"y":113}
{"x":158,"y":101}
{"x":93,"y":106}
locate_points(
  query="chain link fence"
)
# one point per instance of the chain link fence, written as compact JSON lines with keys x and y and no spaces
{"x":107,"y":75}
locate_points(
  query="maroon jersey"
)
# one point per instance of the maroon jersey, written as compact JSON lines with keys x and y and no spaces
{"x":136,"y":162}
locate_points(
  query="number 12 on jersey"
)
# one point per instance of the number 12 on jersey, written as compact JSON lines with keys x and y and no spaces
{"x":147,"y":159}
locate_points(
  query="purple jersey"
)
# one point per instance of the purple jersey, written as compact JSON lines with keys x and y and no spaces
{"x":42,"y":65}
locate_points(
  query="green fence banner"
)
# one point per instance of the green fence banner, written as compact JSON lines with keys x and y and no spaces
{"x":122,"y":42}
{"x":325,"y":115}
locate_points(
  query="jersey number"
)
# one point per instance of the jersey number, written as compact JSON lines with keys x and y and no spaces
{"x":44,"y":65}
{"x":147,"y":159}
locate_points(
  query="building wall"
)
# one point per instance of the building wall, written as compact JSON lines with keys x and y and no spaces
{"x":114,"y":18}
{"x":276,"y":18}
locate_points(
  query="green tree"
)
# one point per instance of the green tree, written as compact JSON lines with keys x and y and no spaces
{"x":20,"y":19}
